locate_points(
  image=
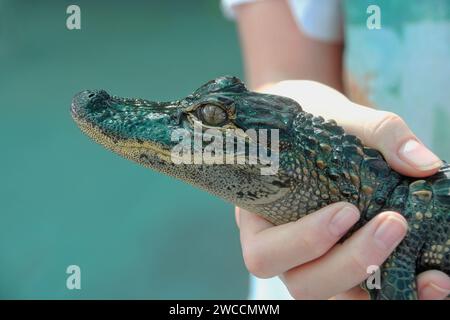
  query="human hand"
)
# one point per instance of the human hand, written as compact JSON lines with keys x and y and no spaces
{"x":304,"y":254}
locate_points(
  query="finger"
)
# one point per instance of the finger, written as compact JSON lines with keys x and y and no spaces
{"x":433,"y":285}
{"x":380,"y":130}
{"x":271,"y":250}
{"x":345,"y":266}
{"x":356,"y":293}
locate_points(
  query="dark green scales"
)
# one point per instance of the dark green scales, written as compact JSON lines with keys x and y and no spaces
{"x":318,"y":165}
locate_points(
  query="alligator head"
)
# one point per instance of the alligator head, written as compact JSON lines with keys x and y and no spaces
{"x":219,"y":113}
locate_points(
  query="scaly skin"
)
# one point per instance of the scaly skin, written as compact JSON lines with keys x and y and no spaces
{"x":319,"y":165}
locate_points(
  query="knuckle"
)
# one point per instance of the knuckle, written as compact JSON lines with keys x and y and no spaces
{"x":255,"y":261}
{"x":314,"y":241}
{"x":358,"y":264}
{"x":385,"y":122}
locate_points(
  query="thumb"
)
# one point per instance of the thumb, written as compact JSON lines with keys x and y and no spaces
{"x":388,"y":133}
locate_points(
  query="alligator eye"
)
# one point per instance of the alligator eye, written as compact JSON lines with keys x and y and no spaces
{"x":212,"y":115}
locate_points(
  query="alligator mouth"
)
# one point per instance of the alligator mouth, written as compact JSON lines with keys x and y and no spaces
{"x":132,"y":149}
{"x":74,"y":110}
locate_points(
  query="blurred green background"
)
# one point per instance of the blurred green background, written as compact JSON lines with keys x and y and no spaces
{"x":63,"y":199}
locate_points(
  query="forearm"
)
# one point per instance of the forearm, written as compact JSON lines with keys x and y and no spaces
{"x":274,"y":48}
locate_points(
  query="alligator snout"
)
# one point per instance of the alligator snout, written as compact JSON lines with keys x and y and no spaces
{"x":89,"y":100}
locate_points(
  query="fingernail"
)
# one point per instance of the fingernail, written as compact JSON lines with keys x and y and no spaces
{"x":343,"y":220}
{"x":390,"y":232}
{"x":433,"y":291}
{"x":418,"y":156}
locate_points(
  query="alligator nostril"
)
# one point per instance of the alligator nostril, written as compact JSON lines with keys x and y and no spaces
{"x":91,"y":95}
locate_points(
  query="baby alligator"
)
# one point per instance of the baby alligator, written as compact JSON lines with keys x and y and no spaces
{"x":317,"y":164}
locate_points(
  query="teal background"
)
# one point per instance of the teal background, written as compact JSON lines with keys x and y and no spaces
{"x":404,"y":66}
{"x":65,"y":200}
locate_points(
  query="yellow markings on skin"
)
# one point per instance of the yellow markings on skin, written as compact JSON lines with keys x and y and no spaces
{"x":367,"y":190}
{"x":355,"y":179}
{"x":325,"y":147}
{"x":130,"y":149}
{"x":434,"y":256}
{"x":416,"y":226}
{"x":322,"y":178}
{"x":321,"y":164}
{"x":423,"y":195}
{"x":416,"y":184}
{"x":428,"y":214}
{"x":419,"y":215}
{"x":334,"y":191}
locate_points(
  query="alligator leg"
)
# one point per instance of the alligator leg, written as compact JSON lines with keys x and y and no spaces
{"x":398,"y":281}
{"x":398,"y":273}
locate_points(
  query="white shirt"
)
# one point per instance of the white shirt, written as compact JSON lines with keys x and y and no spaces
{"x":319,"y":19}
